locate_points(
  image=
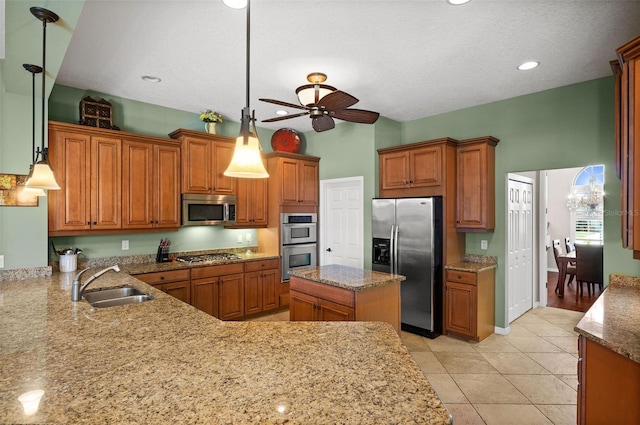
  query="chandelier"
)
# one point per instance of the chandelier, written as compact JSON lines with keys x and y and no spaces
{"x":588,"y":203}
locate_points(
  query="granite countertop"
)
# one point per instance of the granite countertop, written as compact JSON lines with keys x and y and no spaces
{"x":346,"y":277}
{"x":140,"y":268}
{"x":164,"y":361}
{"x":613,"y":321}
{"x":474,"y":263}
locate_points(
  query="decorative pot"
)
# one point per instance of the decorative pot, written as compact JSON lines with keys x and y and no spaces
{"x":210,"y":127}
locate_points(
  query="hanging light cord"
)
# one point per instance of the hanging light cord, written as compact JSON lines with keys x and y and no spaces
{"x":44,"y":58}
{"x":34,"y":154}
{"x":245,"y":120}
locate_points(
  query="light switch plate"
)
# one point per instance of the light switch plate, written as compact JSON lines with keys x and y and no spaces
{"x":248,"y":237}
{"x":1,"y":261}
{"x":125,"y":244}
{"x":239,"y":238}
{"x":484,"y":244}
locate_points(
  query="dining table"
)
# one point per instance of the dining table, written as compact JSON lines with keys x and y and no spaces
{"x":563,"y":261}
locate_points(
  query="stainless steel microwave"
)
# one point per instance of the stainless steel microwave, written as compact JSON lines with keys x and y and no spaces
{"x":208,"y":210}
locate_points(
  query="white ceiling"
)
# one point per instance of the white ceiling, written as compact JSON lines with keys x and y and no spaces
{"x":404,"y":59}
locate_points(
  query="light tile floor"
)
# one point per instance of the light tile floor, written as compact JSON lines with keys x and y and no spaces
{"x":526,"y":377}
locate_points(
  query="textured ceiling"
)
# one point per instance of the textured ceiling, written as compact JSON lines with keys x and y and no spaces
{"x":404,"y":59}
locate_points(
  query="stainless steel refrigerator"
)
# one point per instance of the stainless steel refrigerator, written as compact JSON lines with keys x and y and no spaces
{"x":407,"y":240}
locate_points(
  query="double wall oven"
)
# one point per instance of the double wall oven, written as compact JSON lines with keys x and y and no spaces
{"x":298,"y":241}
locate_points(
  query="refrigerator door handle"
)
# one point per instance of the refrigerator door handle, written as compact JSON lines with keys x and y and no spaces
{"x":395,"y":250}
{"x":391,"y":249}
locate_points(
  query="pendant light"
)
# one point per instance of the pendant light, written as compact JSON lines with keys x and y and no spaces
{"x":247,"y":161}
{"x":42,"y":175}
{"x":33,"y":191}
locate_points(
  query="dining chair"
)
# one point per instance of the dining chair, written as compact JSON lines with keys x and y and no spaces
{"x":571,"y":268}
{"x":589,"y":267}
{"x":569,"y":247}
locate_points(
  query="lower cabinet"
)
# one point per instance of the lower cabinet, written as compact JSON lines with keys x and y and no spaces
{"x":232,"y":291}
{"x":175,"y":283}
{"x":470,"y":303}
{"x":314,"y":301}
{"x":608,"y":385}
{"x":219,"y":290}
{"x":261,"y":286}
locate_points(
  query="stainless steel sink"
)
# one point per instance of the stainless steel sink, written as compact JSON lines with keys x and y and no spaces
{"x":116,"y":296}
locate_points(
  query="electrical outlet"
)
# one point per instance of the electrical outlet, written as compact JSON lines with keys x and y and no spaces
{"x":248,"y":237}
{"x":239,"y":238}
{"x":484,"y":244}
{"x":125,"y":245}
{"x":1,"y":261}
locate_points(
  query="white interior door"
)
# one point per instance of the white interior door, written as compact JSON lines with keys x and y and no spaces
{"x":341,"y":222}
{"x":519,"y":246}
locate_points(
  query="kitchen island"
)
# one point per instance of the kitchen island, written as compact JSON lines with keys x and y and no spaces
{"x":340,"y":293}
{"x":609,"y":355}
{"x":164,"y":361}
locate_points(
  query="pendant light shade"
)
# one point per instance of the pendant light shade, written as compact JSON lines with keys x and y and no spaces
{"x":246,"y":162}
{"x":32,"y":191}
{"x":42,"y":175}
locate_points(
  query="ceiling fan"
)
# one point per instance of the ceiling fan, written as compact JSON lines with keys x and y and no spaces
{"x":323,"y":103}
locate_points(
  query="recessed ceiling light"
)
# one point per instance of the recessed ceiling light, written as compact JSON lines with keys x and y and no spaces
{"x":457,"y":2}
{"x":528,"y":65}
{"x":235,"y":4}
{"x":151,"y":79}
{"x":282,"y":112}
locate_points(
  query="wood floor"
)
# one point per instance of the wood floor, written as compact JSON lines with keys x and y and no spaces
{"x":569,"y":302}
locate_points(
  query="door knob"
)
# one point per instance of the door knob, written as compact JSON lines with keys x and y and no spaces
{"x":328,"y":249}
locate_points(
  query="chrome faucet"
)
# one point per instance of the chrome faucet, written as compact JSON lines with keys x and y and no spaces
{"x":77,"y":290}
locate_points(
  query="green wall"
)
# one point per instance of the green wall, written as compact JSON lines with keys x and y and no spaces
{"x":570,"y":126}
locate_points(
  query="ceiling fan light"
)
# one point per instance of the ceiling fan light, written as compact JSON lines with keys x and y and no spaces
{"x":42,"y":177}
{"x":246,"y":162}
{"x":235,"y":4}
{"x":307,"y":93}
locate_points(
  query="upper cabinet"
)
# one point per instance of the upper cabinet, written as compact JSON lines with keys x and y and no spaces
{"x":251,"y":203}
{"x":627,"y":137}
{"x":205,"y":157}
{"x":151,"y":185}
{"x":293,"y":179}
{"x":111,"y":181}
{"x":416,"y":169}
{"x":476,"y":184}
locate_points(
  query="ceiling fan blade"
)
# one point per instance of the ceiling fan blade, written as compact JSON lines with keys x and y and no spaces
{"x":322,"y":123}
{"x":356,"y":115}
{"x":337,"y":100}
{"x":285,"y":117}
{"x":281,"y":103}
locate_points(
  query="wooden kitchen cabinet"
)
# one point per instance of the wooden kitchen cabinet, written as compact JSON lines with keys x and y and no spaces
{"x":470,"y":303}
{"x":608,"y":385}
{"x":293,"y":179}
{"x":219,"y":290}
{"x":151,"y":185}
{"x":476,"y":184}
{"x":410,"y":168}
{"x":112,"y":181}
{"x":627,"y":139}
{"x":314,"y":301}
{"x":176,"y":283}
{"x":88,"y":169}
{"x":251,"y":203}
{"x":417,"y":169}
{"x":261,"y":286}
{"x":205,"y":157}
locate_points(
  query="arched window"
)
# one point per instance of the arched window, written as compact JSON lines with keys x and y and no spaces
{"x":586,"y":203}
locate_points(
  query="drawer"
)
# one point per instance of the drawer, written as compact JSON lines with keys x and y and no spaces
{"x":209,"y":271}
{"x":255,"y":266}
{"x":165,"y":277}
{"x":335,"y":294}
{"x":462,"y":277}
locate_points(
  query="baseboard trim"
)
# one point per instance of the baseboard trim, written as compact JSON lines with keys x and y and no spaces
{"x":502,"y":331}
